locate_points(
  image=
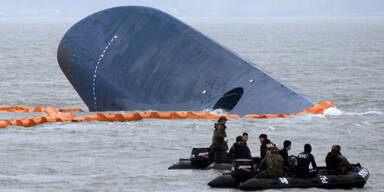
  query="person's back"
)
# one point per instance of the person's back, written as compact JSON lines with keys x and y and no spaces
{"x":242,"y":151}
{"x":336,"y":163}
{"x":303,"y":160}
{"x":219,"y":145}
{"x":332,"y":161}
{"x":272,"y":164}
{"x":239,"y":150}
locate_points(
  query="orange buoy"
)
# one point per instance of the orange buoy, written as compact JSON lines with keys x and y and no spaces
{"x":39,"y":109}
{"x":232,"y":116}
{"x":134,"y":117}
{"x":71,"y":110}
{"x":65,"y":115}
{"x":5,"y":123}
{"x":18,"y":108}
{"x":51,"y":111}
{"x":90,"y":117}
{"x":192,"y":115}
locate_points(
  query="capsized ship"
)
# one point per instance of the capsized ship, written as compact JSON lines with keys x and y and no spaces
{"x":140,"y":58}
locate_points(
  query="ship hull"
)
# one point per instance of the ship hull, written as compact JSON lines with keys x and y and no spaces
{"x":140,"y":58}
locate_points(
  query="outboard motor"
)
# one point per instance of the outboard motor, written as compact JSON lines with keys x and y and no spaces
{"x":200,"y":157}
{"x":242,"y":169}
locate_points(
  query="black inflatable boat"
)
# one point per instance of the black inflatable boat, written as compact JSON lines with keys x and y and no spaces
{"x":200,"y":159}
{"x":242,"y":176}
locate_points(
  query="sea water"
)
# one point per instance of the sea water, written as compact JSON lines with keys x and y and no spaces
{"x":338,"y":59}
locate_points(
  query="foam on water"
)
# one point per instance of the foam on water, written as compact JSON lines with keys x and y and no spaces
{"x":335,"y":111}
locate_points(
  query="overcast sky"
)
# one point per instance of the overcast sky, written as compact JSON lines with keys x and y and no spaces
{"x":197,"y":8}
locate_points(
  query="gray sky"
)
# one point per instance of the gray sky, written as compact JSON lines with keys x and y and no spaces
{"x":197,"y":8}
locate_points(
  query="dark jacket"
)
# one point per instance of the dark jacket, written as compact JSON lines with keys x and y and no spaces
{"x":263,"y":147}
{"x":272,"y":165}
{"x":332,"y":161}
{"x":219,"y":134}
{"x":284,"y":154}
{"x":239,"y":150}
{"x":337,"y":163}
{"x":303,"y":161}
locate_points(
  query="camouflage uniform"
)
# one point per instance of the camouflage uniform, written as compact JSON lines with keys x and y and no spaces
{"x":344,"y":162}
{"x":219,"y":147}
{"x":273,"y":164}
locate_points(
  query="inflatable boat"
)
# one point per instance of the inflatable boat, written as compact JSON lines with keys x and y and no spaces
{"x":242,"y":176}
{"x":200,"y":159}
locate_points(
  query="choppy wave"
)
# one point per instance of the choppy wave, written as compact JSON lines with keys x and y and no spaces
{"x":336,"y":111}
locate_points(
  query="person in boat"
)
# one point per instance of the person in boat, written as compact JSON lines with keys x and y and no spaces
{"x":284,"y":152}
{"x":239,"y":150}
{"x":336,"y":163}
{"x":271,"y":166}
{"x":245,"y":137}
{"x":256,"y":160}
{"x":219,"y":145}
{"x":303,"y":160}
{"x":264,"y":141}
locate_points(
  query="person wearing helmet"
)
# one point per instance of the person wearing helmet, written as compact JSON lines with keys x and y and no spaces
{"x":336,"y":163}
{"x":303,"y":160}
{"x":239,"y":150}
{"x":271,"y":166}
{"x":219,"y":145}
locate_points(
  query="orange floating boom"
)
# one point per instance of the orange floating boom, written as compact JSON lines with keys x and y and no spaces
{"x":316,"y":109}
{"x":64,"y":115}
